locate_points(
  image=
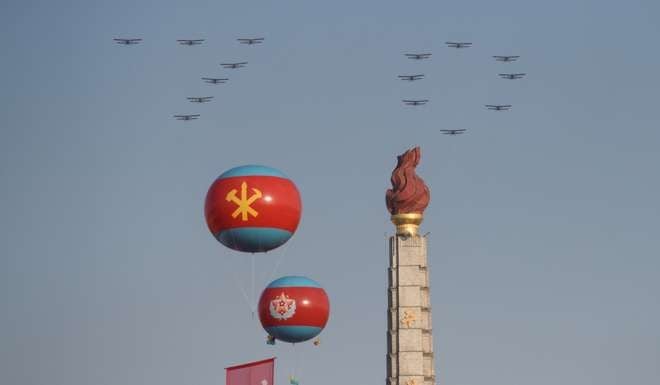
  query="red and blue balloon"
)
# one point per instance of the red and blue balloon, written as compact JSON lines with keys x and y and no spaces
{"x":253,"y":208}
{"x":294,"y":309}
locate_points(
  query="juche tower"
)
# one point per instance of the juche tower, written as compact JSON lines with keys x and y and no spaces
{"x":409,"y":327}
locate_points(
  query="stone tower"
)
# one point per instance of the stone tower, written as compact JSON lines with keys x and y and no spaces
{"x":409,"y":327}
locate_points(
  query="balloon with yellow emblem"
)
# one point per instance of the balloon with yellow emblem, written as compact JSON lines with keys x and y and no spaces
{"x":253,"y":208}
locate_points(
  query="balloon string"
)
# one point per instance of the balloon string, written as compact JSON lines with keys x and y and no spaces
{"x":280,"y":258}
{"x":242,"y":289}
{"x":253,"y":307}
{"x":295,"y":361}
{"x":301,"y":364}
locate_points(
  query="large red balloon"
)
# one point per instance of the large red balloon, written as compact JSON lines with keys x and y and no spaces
{"x":253,"y":208}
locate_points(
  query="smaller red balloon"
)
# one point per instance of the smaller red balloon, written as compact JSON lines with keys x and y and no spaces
{"x":294,"y":309}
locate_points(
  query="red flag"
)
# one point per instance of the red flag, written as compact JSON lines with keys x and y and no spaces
{"x":252,"y":373}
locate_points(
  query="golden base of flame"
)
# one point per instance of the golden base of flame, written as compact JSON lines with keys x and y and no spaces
{"x":407,"y":224}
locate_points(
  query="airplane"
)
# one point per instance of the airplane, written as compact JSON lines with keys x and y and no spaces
{"x":200,"y":99}
{"x":417,"y":102}
{"x":453,"y":132}
{"x":511,"y":76}
{"x":190,"y":42}
{"x":507,"y":59}
{"x":498,"y":107}
{"x":127,"y":41}
{"x":186,"y":117}
{"x":215,"y":80}
{"x":452,"y":44}
{"x":417,"y":56}
{"x":234,"y":65}
{"x":411,"y":78}
{"x":257,"y":40}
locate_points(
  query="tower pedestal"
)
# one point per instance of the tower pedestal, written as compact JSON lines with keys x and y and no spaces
{"x":409,"y":338}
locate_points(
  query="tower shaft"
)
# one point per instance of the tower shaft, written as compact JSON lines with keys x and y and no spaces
{"x":409,"y":327}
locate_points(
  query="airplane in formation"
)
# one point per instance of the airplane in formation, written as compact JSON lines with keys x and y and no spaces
{"x":256,"y":40}
{"x":190,"y":41}
{"x":415,"y":102}
{"x":417,"y":56}
{"x":215,"y":80}
{"x":511,"y":76}
{"x":234,"y":65}
{"x":454,"y":44}
{"x":453,"y":132}
{"x":498,"y":107}
{"x":186,"y":117}
{"x":200,"y":99}
{"x":411,"y":78}
{"x":506,"y":58}
{"x":127,"y":41}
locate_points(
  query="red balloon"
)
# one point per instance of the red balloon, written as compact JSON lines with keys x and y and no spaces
{"x":294,"y":309}
{"x":253,"y":208}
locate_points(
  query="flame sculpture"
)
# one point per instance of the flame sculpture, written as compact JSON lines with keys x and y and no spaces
{"x":409,"y":195}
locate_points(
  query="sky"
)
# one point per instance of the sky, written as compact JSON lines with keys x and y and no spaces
{"x":544,"y":220}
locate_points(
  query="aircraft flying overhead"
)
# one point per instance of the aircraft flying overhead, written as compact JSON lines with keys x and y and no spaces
{"x":411,"y":78}
{"x":200,"y":99}
{"x":453,"y":132}
{"x":127,"y":41}
{"x":186,"y":117}
{"x":256,"y":40}
{"x":190,"y":42}
{"x":215,"y":80}
{"x":498,"y":107}
{"x":511,"y":76}
{"x":506,"y":58}
{"x":415,"y":102}
{"x":454,"y":44}
{"x":417,"y":56}
{"x":234,"y":65}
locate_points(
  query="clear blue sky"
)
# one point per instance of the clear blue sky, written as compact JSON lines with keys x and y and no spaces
{"x":544,"y":220}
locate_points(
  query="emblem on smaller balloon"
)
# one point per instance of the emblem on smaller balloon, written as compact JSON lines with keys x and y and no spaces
{"x":282,"y":307}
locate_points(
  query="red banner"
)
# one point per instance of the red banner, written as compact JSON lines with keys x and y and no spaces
{"x":253,"y":373}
